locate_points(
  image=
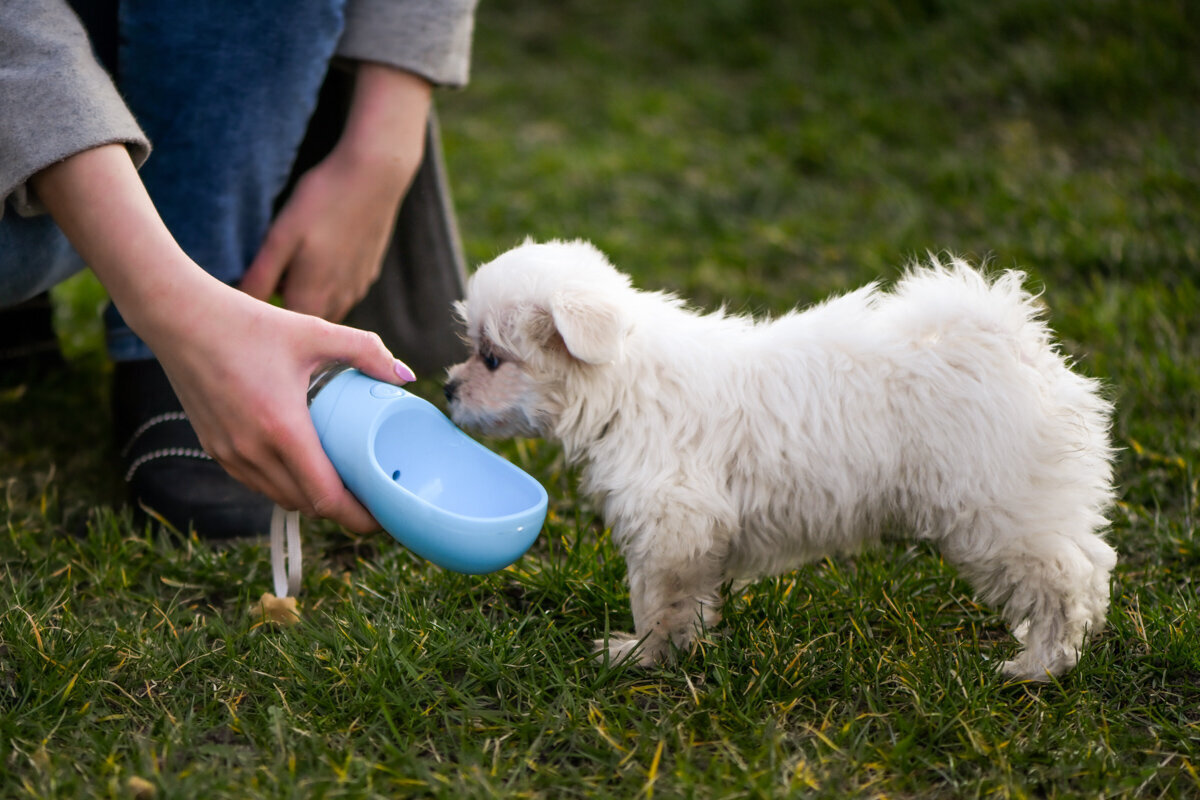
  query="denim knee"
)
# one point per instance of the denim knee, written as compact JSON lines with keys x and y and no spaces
{"x":224,"y":90}
{"x":34,"y":256}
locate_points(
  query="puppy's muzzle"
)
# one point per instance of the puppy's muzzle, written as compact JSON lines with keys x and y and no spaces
{"x":451,"y":389}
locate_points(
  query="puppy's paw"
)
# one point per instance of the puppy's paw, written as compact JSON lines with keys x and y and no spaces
{"x":627,"y":648}
{"x":1017,"y":670}
{"x":1028,"y":667}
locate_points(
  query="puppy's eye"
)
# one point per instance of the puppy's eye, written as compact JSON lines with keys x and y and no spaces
{"x":491,"y":361}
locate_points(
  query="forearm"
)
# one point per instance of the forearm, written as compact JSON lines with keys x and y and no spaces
{"x":239,"y":367}
{"x":99,"y":202}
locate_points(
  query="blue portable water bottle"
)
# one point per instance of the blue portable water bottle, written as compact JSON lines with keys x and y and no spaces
{"x":436,"y":490}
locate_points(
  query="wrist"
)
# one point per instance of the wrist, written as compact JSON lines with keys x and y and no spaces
{"x":170,"y":300}
{"x":385,"y":128}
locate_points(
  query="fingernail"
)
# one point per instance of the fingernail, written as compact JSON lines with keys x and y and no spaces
{"x":404,"y":373}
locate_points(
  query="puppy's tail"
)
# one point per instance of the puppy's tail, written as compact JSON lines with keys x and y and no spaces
{"x":946,"y":296}
{"x":959,"y":314}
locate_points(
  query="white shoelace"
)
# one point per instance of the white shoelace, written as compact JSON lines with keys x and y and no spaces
{"x":285,"y":551}
{"x":285,"y":525}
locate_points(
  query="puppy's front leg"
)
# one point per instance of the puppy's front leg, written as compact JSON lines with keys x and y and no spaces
{"x":672,"y":600}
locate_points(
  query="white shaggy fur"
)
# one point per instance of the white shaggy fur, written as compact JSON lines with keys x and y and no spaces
{"x":724,"y":448}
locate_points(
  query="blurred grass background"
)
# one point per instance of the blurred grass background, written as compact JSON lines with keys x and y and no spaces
{"x":741,"y":152}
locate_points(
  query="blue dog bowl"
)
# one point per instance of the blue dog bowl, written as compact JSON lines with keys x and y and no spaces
{"x":433,"y":488}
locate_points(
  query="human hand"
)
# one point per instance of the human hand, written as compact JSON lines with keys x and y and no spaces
{"x":324,"y":249}
{"x":239,"y":366}
{"x":241,"y":369}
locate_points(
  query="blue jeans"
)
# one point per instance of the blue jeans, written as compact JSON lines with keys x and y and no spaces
{"x":224,"y":90}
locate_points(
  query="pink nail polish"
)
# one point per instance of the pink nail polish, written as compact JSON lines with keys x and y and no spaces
{"x":404,"y":373}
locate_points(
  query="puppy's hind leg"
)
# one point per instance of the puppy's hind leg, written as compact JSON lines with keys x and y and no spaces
{"x":1055,"y":589}
{"x":672,"y":601}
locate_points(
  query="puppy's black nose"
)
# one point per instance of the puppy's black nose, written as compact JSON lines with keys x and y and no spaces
{"x":450,"y":389}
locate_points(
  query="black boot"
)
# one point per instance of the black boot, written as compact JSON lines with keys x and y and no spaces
{"x":168,"y":474}
{"x":28,"y":346}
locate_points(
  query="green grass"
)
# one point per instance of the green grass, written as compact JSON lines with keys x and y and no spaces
{"x":757,"y":154}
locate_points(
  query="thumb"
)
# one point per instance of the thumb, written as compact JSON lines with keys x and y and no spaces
{"x":366,"y":352}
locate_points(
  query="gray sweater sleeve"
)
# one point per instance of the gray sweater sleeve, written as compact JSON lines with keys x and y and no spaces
{"x":431,"y":38}
{"x":55,"y":99}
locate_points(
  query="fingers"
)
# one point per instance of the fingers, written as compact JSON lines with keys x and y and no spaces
{"x":325,"y":494}
{"x":319,"y":499}
{"x":322,"y":493}
{"x":299,"y":269}
{"x":366,"y":352}
{"x":305,"y":299}
{"x":246,"y":400}
{"x":262,"y":277}
{"x":304,"y":294}
{"x":291,"y":468}
{"x":325,"y":248}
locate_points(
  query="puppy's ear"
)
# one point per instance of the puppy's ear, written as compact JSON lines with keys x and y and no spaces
{"x":592,"y":326}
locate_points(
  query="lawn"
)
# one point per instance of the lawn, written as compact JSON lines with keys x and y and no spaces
{"x":749,"y":153}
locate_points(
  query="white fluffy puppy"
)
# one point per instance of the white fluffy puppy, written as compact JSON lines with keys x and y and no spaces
{"x":723,"y":448}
